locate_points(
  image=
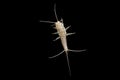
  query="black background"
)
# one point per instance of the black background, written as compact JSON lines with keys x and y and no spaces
{"x":33,"y":41}
{"x":79,"y":62}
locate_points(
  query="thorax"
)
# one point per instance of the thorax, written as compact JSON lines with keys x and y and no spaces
{"x":60,"y":28}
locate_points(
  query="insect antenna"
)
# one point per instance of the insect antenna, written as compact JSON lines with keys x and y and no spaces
{"x":55,"y":12}
{"x":47,"y":21}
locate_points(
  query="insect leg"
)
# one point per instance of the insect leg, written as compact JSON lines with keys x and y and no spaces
{"x":68,"y":28}
{"x":52,"y":25}
{"x":76,"y":50}
{"x":70,"y":33}
{"x":55,"y":33}
{"x":56,"y":55}
{"x":56,"y":38}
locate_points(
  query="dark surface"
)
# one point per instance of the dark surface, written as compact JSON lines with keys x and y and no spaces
{"x":90,"y":22}
{"x":76,"y":16}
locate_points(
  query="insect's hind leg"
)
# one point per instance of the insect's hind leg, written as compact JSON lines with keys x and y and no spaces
{"x":56,"y":38}
{"x":77,"y":50}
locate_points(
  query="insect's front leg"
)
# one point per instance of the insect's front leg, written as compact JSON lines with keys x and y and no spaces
{"x":55,"y":33}
{"x":68,"y":27}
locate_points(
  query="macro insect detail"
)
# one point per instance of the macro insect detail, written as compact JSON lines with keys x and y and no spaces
{"x":62,"y":35}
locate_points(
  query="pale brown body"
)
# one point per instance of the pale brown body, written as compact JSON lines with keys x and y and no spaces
{"x":62,"y":34}
{"x":61,"y":31}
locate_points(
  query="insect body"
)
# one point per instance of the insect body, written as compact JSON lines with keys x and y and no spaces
{"x":62,"y":32}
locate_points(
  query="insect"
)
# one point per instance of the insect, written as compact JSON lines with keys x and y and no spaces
{"x":61,"y":31}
